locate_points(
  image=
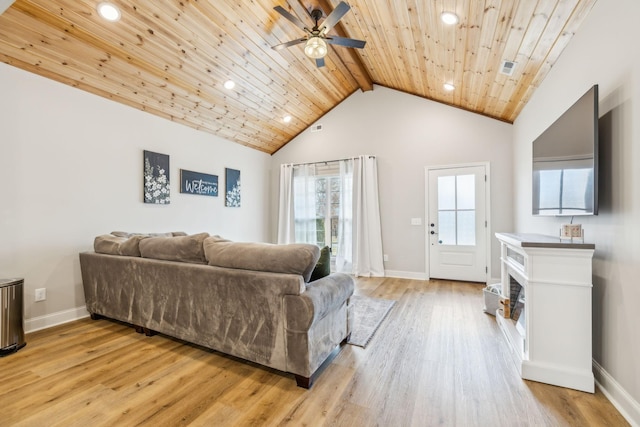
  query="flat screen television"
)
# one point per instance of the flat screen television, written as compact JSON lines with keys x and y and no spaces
{"x":565,"y":162}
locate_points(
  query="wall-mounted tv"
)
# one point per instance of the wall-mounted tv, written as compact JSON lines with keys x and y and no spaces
{"x":565,"y":162}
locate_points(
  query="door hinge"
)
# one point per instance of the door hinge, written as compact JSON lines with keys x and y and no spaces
{"x":486,"y":270}
{"x":485,"y":178}
{"x":485,"y":224}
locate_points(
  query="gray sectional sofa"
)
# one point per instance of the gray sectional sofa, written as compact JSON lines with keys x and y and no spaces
{"x":249,"y":300}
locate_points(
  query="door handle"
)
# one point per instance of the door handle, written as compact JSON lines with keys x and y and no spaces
{"x":433,"y":232}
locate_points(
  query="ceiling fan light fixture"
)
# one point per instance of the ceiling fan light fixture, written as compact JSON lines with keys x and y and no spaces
{"x":315,"y":48}
{"x":108,"y":11}
{"x":449,"y":18}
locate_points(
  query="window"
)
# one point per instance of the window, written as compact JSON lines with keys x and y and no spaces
{"x":317,"y":207}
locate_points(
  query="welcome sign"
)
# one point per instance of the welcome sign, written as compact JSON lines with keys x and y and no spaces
{"x":198,"y":183}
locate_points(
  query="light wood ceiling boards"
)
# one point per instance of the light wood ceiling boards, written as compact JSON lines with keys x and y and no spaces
{"x":171,"y":57}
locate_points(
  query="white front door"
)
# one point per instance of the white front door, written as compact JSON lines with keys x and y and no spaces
{"x":456,"y":223}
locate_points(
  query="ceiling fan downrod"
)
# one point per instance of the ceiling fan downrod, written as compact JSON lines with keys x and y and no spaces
{"x":316,"y":15}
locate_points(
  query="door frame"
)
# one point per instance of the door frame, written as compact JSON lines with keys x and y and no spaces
{"x":487,"y":229}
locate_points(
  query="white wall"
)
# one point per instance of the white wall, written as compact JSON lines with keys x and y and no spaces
{"x":71,"y":169}
{"x":601,"y":52}
{"x":407,"y":133}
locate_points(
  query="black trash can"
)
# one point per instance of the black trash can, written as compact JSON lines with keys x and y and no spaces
{"x":11,"y":320}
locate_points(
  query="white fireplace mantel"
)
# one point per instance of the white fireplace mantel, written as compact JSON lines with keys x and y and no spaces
{"x":552,"y":341}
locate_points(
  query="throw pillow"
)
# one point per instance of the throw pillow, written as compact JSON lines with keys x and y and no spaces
{"x":107,"y":244}
{"x":131,"y":246}
{"x":323,"y":266}
{"x":114,"y":245}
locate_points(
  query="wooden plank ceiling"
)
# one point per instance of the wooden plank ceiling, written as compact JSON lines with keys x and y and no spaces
{"x":171,"y":57}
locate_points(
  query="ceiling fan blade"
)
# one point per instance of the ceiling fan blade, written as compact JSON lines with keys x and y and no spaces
{"x":320,"y":62}
{"x":343,"y":41}
{"x":289,"y":44}
{"x":290,"y":17}
{"x":335,"y":16}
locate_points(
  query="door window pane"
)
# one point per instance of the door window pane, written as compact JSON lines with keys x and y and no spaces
{"x":447,"y":227}
{"x":446,"y":192}
{"x":466,"y":228}
{"x":466,"y":191}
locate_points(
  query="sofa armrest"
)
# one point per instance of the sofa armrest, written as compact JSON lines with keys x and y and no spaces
{"x":320,"y":298}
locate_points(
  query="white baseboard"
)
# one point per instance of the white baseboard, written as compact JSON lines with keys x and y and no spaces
{"x":618,"y":396}
{"x":54,"y":319}
{"x":415,"y":275}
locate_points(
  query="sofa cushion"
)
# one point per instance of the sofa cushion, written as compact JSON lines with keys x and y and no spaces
{"x":296,"y":258}
{"x":323,"y":266}
{"x":169,"y":234}
{"x":113,"y":245}
{"x":178,"y":248}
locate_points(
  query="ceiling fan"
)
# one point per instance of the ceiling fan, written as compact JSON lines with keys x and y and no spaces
{"x":317,"y":39}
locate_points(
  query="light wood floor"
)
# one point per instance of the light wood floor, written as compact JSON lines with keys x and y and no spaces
{"x":437,"y":360}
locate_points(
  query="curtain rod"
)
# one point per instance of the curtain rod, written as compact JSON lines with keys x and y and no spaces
{"x":327,"y":161}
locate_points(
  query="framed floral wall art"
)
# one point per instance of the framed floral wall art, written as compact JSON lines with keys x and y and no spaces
{"x":232,"y":194}
{"x":156,"y":178}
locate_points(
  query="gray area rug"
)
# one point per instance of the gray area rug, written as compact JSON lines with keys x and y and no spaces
{"x":368,"y":314}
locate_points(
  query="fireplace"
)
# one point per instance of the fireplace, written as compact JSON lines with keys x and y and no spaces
{"x":546,"y":313}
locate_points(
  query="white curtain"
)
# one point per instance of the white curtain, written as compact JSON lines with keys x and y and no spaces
{"x":304,"y":204}
{"x":367,"y":234}
{"x":344,"y":255}
{"x":297,"y":204}
{"x":286,"y":230}
{"x":359,"y":232}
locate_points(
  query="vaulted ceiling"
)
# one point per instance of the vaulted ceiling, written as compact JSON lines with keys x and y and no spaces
{"x":171,"y":57}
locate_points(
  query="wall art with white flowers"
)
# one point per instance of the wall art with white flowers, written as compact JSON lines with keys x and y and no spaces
{"x":156,"y":178}
{"x":232,"y":195}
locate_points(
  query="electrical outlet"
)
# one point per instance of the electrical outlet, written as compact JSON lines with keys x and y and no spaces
{"x":416,"y":221}
{"x":385,"y":257}
{"x":41,"y":294}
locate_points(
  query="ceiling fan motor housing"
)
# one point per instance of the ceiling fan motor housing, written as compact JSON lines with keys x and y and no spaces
{"x":316,"y":15}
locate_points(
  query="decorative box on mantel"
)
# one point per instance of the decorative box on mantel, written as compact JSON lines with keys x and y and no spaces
{"x":548,"y":285}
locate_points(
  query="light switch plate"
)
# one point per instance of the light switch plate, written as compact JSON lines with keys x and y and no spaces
{"x":416,"y":221}
{"x":41,"y":294}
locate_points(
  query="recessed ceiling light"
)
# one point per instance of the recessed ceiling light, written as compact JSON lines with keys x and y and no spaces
{"x":229,"y":84}
{"x":286,"y":119}
{"x":448,"y":87}
{"x":108,"y":11}
{"x":449,"y":18}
